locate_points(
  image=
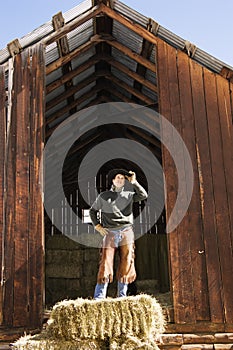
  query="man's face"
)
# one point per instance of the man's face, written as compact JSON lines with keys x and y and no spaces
{"x":119,"y":180}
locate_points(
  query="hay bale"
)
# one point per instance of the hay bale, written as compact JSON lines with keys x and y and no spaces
{"x":128,"y":323}
{"x":136,"y":316}
{"x":43,"y":342}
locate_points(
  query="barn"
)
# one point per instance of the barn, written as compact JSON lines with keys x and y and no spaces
{"x":97,"y":59}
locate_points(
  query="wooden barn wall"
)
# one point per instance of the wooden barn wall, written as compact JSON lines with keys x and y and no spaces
{"x":198,"y":103}
{"x":2,"y":153}
{"x":21,"y":206}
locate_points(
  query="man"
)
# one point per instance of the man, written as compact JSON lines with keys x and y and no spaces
{"x":115,"y":224}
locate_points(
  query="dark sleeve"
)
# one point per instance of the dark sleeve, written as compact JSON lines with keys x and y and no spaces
{"x":140,"y":193}
{"x":94,"y":210}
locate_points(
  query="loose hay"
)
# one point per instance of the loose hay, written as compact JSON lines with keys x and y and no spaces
{"x":127,"y":323}
{"x":44,"y":343}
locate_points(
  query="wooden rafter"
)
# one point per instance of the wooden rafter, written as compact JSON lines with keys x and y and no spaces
{"x":58,"y":99}
{"x":93,"y":12}
{"x":146,"y":51}
{"x":133,"y":55}
{"x":119,"y":95}
{"x":103,"y":98}
{"x":137,"y":77}
{"x":63,"y":49}
{"x":77,"y":102}
{"x":73,"y":54}
{"x":102,"y":26}
{"x":136,"y":28}
{"x":94,"y":41}
{"x":70,"y":75}
{"x":133,"y":91}
{"x":154,"y":149}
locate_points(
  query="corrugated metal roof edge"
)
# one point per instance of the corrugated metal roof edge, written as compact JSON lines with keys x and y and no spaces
{"x":200,"y":56}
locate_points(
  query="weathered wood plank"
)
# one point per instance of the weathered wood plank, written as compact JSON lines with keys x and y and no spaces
{"x":224,"y":192}
{"x":209,"y":250}
{"x":219,"y":190}
{"x":192,"y":237}
{"x":22,"y":92}
{"x":206,"y":193}
{"x":186,"y":296}
{"x":80,"y":50}
{"x":9,"y":214}
{"x":170,"y":175}
{"x":94,"y":11}
{"x":130,"y":24}
{"x":131,"y":54}
{"x":36,"y":212}
{"x":2,"y":178}
{"x":224,"y":89}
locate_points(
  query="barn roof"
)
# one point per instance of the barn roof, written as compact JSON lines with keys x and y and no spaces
{"x":47,"y":28}
{"x":102,"y":51}
{"x":106,"y":42}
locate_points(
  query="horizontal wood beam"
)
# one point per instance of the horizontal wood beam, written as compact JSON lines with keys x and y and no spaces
{"x":155,"y":150}
{"x":77,"y":102}
{"x":73,"y":54}
{"x":130,"y":89}
{"x":121,"y":67}
{"x":93,"y":12}
{"x":103,"y":98}
{"x":119,"y":95}
{"x":73,"y":90}
{"x":133,"y":55}
{"x":153,"y":140}
{"x":80,"y":145}
{"x":91,"y":62}
{"x":136,"y":28}
{"x":80,"y":69}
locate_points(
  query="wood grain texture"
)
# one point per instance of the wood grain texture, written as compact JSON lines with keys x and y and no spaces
{"x":198,"y":104}
{"x":170,"y":176}
{"x":206,"y":194}
{"x":2,"y":179}
{"x":24,"y":231}
{"x":193,"y":229}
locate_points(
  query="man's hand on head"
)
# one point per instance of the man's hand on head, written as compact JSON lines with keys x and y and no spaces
{"x":103,"y":231}
{"x":131,"y":178}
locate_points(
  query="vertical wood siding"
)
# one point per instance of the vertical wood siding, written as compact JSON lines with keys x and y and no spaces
{"x":198,"y":104}
{"x":23,"y":231}
{"x":2,"y":155}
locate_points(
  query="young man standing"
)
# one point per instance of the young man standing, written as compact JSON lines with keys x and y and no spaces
{"x":116,"y":226}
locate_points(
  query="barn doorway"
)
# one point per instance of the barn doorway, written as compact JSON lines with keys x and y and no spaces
{"x":71,"y":267}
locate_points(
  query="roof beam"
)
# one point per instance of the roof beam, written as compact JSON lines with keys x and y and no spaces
{"x":146,"y":51}
{"x":93,"y":12}
{"x":70,"y":75}
{"x":151,"y":139}
{"x":73,"y":90}
{"x":133,"y":55}
{"x":94,"y":40}
{"x":77,"y":102}
{"x":133,"y":91}
{"x":102,"y":25}
{"x":154,"y":149}
{"x":63,"y":49}
{"x":121,"y":67}
{"x":119,"y":95}
{"x":136,"y":28}
{"x":103,"y":98}
{"x":92,"y":61}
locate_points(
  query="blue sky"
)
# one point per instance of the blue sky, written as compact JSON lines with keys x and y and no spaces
{"x":208,"y":24}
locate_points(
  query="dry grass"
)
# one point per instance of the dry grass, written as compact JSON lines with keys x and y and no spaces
{"x":128,"y":323}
